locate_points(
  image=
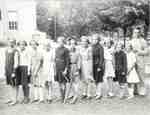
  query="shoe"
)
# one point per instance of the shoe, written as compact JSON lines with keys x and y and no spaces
{"x":22,"y":101}
{"x":34,"y":101}
{"x":41,"y":102}
{"x":98,"y":97}
{"x":130,"y":97}
{"x":13,"y":103}
{"x":84,"y":97}
{"x":9,"y":101}
{"x":110,"y":95}
{"x":74,"y":101}
{"x":26,"y":101}
{"x":89,"y":97}
{"x":49,"y":101}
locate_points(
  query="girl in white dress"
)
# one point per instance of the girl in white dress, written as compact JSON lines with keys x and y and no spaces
{"x":109,"y":67}
{"x":35,"y":63}
{"x":86,"y":67}
{"x":48,"y":71}
{"x":132,"y":76}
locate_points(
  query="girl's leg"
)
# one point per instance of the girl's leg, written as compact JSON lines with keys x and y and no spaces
{"x":36,"y":94}
{"x":99,"y":90}
{"x":62,"y":91}
{"x":26,"y":93}
{"x":122,"y":90}
{"x":15,"y":95}
{"x":85,"y":86}
{"x":110,"y":86}
{"x":41,"y":94}
{"x":75,"y":89}
{"x":131,"y":91}
{"x":67,"y":91}
{"x":89,"y":87}
{"x":50,"y":90}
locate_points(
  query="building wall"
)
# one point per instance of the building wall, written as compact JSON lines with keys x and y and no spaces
{"x":24,"y":13}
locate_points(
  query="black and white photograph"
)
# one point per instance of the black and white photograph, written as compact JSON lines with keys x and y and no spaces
{"x":75,"y":57}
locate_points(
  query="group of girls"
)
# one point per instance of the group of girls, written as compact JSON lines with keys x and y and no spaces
{"x":35,"y":69}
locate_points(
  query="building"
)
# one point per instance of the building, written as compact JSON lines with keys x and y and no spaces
{"x":17,"y":19}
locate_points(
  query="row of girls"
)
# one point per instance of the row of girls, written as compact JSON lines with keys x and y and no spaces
{"x":68,"y":65}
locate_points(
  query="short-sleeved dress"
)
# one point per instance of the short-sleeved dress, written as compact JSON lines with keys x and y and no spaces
{"x":48,"y":67}
{"x":36,"y":65}
{"x":74,"y":63}
{"x":109,"y":68}
{"x":86,"y":64}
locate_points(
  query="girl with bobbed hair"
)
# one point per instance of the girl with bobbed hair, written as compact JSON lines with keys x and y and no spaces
{"x":86,"y":67}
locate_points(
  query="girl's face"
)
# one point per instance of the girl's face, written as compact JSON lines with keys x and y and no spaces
{"x":84,"y":43}
{"x":94,"y":40}
{"x":33,"y":45}
{"x":47,"y":47}
{"x":118,"y":48}
{"x":60,"y":42}
{"x":108,"y":45}
{"x":22,"y":45}
{"x":128,"y":48}
{"x":72,"y":43}
{"x":11,"y":43}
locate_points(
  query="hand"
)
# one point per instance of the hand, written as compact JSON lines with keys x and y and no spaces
{"x":29,"y":73}
{"x":65,"y":72}
{"x":98,"y":69}
{"x":123,"y":73}
{"x":13,"y":75}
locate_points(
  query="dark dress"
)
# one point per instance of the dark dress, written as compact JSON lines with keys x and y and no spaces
{"x":22,"y":77}
{"x":120,"y":67}
{"x":98,"y":62}
{"x":62,"y":62}
{"x":9,"y":66}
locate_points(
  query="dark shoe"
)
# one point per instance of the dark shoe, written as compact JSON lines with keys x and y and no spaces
{"x":34,"y":101}
{"x":13,"y":103}
{"x":22,"y":101}
{"x":89,"y":98}
{"x":10,"y":101}
{"x":74,"y":101}
{"x":26,"y":101}
{"x":41,"y":102}
{"x":98,"y":97}
{"x":49,"y":101}
{"x":84,"y":97}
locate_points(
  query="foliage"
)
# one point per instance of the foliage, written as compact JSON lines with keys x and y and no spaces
{"x":77,"y":18}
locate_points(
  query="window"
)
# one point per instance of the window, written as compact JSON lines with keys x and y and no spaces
{"x":13,"y":25}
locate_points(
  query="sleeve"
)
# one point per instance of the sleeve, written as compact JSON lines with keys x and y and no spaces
{"x":144,"y":50}
{"x":79,"y":61}
{"x":67,"y":59}
{"x":101,"y":59}
{"x":5,"y":57}
{"x":16,"y":59}
{"x":124,"y":63}
{"x":28,"y":60}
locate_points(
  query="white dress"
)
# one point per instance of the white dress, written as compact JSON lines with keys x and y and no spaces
{"x":132,"y":76}
{"x":48,"y":67}
{"x":86,"y":64}
{"x":109,"y":69}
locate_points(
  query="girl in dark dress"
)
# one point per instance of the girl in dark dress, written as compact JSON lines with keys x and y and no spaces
{"x":120,"y":69}
{"x":23,"y":71}
{"x":62,"y":67}
{"x":10,"y":68}
{"x":98,"y":64}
